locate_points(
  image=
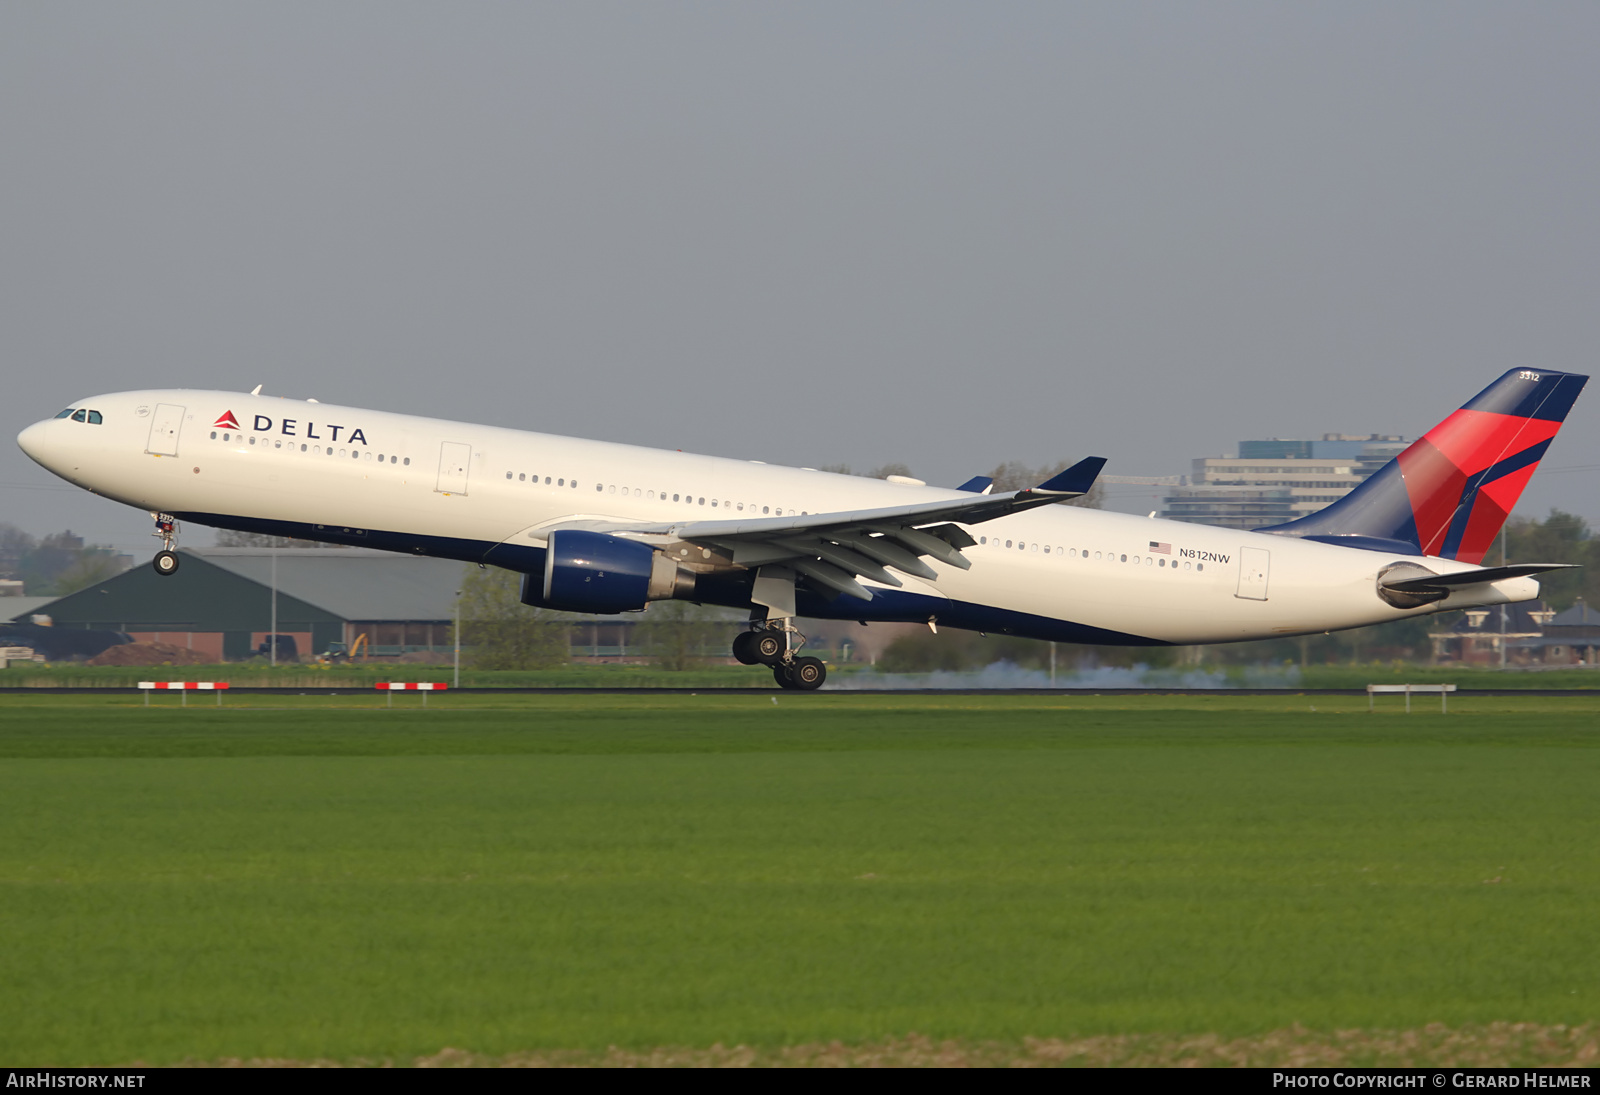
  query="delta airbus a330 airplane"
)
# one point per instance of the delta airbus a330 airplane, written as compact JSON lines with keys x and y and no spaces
{"x":604,"y":528}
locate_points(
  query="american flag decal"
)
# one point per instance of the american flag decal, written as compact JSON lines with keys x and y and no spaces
{"x":1160,"y":549}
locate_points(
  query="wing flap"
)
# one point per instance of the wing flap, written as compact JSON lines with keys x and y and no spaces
{"x":888,"y":553}
{"x":832,"y":577}
{"x":844,"y":558}
{"x":924,"y":543}
{"x":755,"y":553}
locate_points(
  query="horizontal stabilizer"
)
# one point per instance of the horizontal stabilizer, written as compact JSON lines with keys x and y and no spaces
{"x":1473,"y":577}
{"x":1078,"y":479}
{"x":978,"y":484}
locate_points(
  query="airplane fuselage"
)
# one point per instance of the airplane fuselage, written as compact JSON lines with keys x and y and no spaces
{"x":488,"y":494}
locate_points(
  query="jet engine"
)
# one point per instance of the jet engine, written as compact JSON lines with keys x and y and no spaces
{"x":595,"y":573}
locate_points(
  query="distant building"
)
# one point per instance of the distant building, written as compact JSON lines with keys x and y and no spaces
{"x":1477,"y":636}
{"x":1571,"y":637}
{"x":1531,"y":633}
{"x":220,"y":602}
{"x":1277,"y":480}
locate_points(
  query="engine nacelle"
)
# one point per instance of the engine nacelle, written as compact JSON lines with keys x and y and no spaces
{"x":596,"y":573}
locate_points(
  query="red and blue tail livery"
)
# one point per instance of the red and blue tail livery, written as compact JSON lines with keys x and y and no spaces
{"x":1449,"y":493}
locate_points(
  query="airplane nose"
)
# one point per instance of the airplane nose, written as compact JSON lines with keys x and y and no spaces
{"x":35,"y":442}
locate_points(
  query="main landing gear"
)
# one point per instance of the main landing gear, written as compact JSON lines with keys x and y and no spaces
{"x":776,"y":643}
{"x":166,"y":560}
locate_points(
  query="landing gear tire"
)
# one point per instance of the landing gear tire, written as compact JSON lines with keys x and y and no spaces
{"x":805,"y":675}
{"x":165,"y":563}
{"x":768,"y":647}
{"x":808,"y":674}
{"x":744,"y":648}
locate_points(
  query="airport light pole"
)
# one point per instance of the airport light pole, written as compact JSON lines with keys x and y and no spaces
{"x":457,"y":684}
{"x":272,"y":636}
{"x":1502,"y":607}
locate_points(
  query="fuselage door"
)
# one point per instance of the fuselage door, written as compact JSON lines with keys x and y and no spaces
{"x":454,"y":460}
{"x":164,"y":428}
{"x":1254,"y":565}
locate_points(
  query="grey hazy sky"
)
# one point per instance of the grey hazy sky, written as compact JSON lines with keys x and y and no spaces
{"x":944,"y":234}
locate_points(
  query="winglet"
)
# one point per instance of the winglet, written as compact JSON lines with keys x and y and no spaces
{"x":1078,"y":479}
{"x":978,"y":484}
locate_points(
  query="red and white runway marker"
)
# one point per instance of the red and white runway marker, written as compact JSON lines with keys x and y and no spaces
{"x":424,"y":687}
{"x":185,"y":687}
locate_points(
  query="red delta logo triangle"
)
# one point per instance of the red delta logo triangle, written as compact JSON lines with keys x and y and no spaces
{"x":228,"y":421}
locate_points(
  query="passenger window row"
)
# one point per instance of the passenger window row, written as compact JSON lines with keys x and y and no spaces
{"x":1075,"y":553}
{"x":314,"y":450}
{"x":653,"y":496}
{"x":520,"y":477}
{"x":534,"y":479}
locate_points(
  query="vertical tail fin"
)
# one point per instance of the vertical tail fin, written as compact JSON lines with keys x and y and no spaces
{"x":1449,"y":493}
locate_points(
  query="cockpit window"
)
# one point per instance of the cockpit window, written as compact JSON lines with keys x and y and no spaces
{"x":66,"y":413}
{"x":95,"y":419}
{"x":80,"y":416}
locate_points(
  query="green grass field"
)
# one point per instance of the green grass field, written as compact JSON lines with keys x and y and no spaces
{"x":257,"y":674}
{"x":322,"y":877}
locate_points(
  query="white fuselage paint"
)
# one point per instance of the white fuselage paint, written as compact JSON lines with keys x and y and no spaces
{"x":405,"y":474}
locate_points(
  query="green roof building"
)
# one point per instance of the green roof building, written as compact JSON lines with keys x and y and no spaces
{"x":221,"y":601}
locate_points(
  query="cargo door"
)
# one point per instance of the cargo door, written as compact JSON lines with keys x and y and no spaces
{"x":1254,"y":565}
{"x":164,"y":428}
{"x":454,"y":460}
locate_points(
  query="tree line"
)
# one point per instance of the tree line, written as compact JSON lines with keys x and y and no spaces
{"x":55,"y":565}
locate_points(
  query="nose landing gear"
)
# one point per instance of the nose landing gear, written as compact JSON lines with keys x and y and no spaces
{"x":166,"y":560}
{"x":776,"y":643}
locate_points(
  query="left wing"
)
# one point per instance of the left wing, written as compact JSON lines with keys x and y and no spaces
{"x":834,"y":549}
